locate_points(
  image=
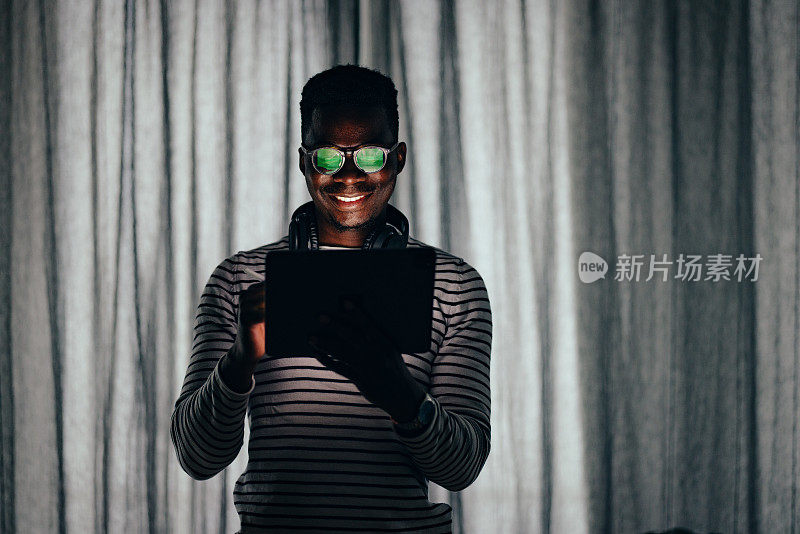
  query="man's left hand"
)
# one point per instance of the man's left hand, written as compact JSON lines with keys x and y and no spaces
{"x":350,"y":343}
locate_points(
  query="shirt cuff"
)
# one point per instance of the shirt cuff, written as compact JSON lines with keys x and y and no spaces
{"x":233,"y":395}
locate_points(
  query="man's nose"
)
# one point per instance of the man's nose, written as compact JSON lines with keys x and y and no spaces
{"x":349,"y":172}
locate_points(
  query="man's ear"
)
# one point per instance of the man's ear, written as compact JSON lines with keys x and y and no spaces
{"x":302,"y":161}
{"x":401,"y":156}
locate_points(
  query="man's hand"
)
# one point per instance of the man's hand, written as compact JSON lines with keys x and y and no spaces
{"x":251,"y":323}
{"x":249,"y":347}
{"x":351,"y":344}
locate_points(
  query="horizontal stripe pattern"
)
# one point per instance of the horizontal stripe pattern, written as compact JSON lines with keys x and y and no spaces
{"x":321,"y":458}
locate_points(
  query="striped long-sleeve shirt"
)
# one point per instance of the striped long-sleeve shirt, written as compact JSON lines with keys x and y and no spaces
{"x":322,"y":458}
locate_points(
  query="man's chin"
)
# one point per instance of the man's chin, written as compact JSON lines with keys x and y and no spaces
{"x":345,"y":226}
{"x":343,"y":221}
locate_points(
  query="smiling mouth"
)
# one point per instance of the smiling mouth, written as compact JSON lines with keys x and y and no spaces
{"x":348,"y":201}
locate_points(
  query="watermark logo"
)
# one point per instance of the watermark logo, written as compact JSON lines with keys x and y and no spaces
{"x":685,"y":268}
{"x":591,"y":267}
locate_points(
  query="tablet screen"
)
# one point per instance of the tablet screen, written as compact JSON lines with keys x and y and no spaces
{"x":395,"y":288}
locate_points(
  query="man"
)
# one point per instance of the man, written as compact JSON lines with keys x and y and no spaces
{"x":345,"y":440}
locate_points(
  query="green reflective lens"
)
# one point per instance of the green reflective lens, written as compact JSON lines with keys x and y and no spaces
{"x":328,"y":159}
{"x":370,"y":159}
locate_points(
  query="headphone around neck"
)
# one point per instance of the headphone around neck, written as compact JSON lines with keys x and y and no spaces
{"x":303,"y":230}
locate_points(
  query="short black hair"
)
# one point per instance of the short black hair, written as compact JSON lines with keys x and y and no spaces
{"x":349,"y":85}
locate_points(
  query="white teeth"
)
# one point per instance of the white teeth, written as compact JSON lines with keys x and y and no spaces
{"x":346,"y":199}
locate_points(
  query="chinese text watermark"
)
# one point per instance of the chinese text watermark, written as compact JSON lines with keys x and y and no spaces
{"x":685,"y":268}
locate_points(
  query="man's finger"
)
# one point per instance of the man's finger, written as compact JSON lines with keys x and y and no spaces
{"x":329,"y":359}
{"x":329,"y":342}
{"x":336,"y":365}
{"x":253,"y":292}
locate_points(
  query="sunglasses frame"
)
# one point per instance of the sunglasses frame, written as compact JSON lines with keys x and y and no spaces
{"x":349,"y":152}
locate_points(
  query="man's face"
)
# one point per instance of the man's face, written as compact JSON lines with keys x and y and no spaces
{"x":338,"y":221}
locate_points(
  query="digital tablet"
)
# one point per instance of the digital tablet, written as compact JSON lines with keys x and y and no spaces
{"x":394,"y":286}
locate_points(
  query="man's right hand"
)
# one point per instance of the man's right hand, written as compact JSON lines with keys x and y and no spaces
{"x":249,"y":347}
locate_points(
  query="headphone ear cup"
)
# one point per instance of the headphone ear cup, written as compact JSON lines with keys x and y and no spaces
{"x":303,"y":228}
{"x":397,"y":223}
{"x":393,"y":234}
{"x":388,"y":238}
{"x":374,"y":239}
{"x":395,"y":241}
{"x":294,"y":234}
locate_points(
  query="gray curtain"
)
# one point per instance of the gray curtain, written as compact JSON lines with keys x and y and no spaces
{"x":144,"y":141}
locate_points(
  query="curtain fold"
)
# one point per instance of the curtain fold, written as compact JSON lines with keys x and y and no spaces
{"x":144,"y":141}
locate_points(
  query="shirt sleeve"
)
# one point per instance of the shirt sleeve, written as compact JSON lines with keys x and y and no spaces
{"x":207,"y":425}
{"x":452,"y":450}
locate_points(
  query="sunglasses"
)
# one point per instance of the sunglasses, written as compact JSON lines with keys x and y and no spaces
{"x":328,"y":160}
